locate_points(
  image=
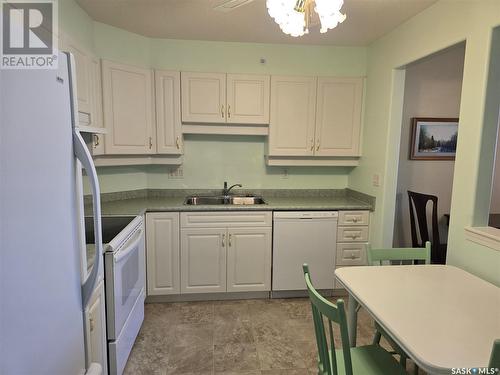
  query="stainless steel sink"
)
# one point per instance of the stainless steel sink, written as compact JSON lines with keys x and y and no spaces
{"x":232,"y":200}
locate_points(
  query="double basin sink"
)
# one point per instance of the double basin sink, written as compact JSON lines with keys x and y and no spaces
{"x":196,"y":200}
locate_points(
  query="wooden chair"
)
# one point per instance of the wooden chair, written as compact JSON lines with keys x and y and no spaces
{"x":411,"y":254}
{"x":370,"y":359}
{"x":418,"y":220}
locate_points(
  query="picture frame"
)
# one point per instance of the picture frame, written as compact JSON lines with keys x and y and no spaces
{"x":433,"y":138}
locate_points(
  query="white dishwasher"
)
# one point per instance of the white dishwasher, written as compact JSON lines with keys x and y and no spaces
{"x":304,"y":237}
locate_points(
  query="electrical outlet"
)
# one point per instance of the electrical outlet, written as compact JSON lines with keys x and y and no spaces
{"x":176,"y":173}
{"x":284,"y":174}
{"x":376,"y":180}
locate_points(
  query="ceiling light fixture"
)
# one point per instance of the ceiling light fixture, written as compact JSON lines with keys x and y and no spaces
{"x":294,"y":16}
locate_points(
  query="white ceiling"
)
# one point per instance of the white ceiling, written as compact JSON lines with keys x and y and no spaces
{"x":367,"y":20}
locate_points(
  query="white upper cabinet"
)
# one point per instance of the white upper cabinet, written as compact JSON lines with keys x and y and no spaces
{"x":247,"y":99}
{"x":293,"y":106}
{"x":96,"y":115}
{"x":338,"y":116}
{"x":128,"y":109}
{"x":315,"y":121}
{"x":168,"y":112}
{"x":83,"y":75}
{"x":203,"y":97}
{"x":225,"y":99}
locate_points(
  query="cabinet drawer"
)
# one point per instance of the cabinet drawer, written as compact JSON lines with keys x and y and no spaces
{"x":354,"y":217}
{"x":352,"y":234}
{"x":226,"y":219}
{"x":351,"y":254}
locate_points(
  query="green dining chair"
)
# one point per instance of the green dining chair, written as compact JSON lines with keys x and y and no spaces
{"x":408,"y":254}
{"x":401,"y":254}
{"x":370,"y":359}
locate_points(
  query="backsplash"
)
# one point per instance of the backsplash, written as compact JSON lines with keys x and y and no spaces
{"x":209,"y":160}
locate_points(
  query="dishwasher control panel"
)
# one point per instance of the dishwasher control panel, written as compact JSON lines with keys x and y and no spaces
{"x":306,"y":215}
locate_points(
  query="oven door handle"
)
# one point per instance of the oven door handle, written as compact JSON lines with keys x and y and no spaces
{"x":125,"y":252}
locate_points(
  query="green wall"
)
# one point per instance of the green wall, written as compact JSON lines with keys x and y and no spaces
{"x":440,"y":26}
{"x":76,"y":23}
{"x":211,"y":160}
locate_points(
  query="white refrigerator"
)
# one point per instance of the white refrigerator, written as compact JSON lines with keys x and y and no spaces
{"x":43,"y":293}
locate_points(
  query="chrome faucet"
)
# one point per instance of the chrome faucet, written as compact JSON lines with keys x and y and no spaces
{"x":226,"y":190}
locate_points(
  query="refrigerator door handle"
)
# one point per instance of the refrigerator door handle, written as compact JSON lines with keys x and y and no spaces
{"x":83,"y":155}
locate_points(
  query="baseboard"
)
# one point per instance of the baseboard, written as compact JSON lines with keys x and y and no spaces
{"x":207,"y":297}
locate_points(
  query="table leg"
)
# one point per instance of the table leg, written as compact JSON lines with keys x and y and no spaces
{"x":352,"y":320}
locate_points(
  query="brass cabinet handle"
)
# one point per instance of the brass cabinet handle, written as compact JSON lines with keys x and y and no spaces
{"x":228,"y":111}
{"x":178,"y":144}
{"x":312,"y":144}
{"x":150,"y":143}
{"x":230,"y":243}
{"x":96,"y":140}
{"x":317,"y":146}
{"x":222,"y":110}
{"x":223,"y":240}
{"x":92,"y":324}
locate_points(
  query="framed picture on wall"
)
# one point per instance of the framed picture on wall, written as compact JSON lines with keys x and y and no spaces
{"x":433,"y":138}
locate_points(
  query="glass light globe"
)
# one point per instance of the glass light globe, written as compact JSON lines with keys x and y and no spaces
{"x":293,"y":23}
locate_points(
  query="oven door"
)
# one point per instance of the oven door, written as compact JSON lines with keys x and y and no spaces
{"x":125,"y":275}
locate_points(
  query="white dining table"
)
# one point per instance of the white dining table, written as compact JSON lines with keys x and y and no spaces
{"x":442,"y":316}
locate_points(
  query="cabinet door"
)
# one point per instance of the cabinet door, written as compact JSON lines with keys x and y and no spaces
{"x":247,"y":99}
{"x":293,"y":106}
{"x":203,"y":260}
{"x":203,"y":97}
{"x":83,"y":75}
{"x":128,"y":109}
{"x":96,"y":115}
{"x":168,"y":112}
{"x":249,"y":259}
{"x":96,"y":329}
{"x":162,"y":253}
{"x":338,"y":117}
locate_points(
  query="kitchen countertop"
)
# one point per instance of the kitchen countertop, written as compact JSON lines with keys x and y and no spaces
{"x":311,"y":200}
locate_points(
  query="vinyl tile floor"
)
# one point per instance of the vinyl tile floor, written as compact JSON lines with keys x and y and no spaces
{"x":247,"y":337}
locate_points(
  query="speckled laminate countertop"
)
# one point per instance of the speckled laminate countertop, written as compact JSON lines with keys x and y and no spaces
{"x":128,"y":204}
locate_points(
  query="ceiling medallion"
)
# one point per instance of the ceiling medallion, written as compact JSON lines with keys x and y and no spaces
{"x":295,"y":16}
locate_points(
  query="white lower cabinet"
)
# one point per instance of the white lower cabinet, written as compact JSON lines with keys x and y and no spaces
{"x":249,"y":259}
{"x":225,"y":252}
{"x":95,"y":319}
{"x":352,"y":236}
{"x":208,"y":252}
{"x":162,"y":253}
{"x":203,"y":260}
